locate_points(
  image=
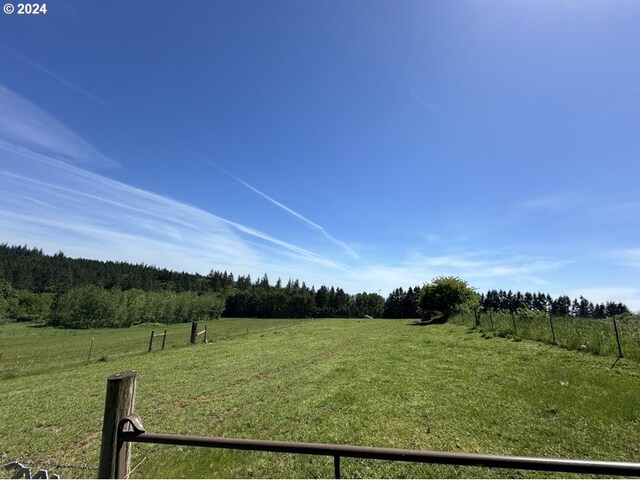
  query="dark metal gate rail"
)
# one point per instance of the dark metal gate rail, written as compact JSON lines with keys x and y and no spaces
{"x":138,"y":434}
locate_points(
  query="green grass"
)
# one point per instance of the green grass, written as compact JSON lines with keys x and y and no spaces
{"x":363,"y":382}
{"x":27,"y":349}
{"x":590,"y":334}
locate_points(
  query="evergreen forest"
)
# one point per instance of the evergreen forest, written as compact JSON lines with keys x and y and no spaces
{"x":83,"y":293}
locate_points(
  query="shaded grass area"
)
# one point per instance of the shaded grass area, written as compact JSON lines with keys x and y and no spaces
{"x":363,"y":382}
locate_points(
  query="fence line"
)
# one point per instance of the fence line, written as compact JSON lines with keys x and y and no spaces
{"x":617,"y":337}
{"x":153,"y":335}
{"x":195,"y":333}
{"x":128,"y":428}
{"x":80,"y":347}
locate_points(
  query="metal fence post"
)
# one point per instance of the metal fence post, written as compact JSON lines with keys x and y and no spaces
{"x":194,"y":332}
{"x":90,"y":348}
{"x":118,"y":403}
{"x":615,"y":327}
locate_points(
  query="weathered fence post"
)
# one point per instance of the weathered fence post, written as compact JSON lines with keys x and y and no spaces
{"x":151,"y":341}
{"x":194,"y":332}
{"x":553,"y":333}
{"x":477,"y":322}
{"x":164,"y":339}
{"x":205,"y":334}
{"x":118,"y":403}
{"x":615,"y":327}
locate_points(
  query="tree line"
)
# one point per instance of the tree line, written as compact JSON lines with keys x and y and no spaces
{"x":562,"y":306}
{"x":90,"y":306}
{"x":294,"y":300}
{"x":30,"y":269}
{"x":65,"y":288}
{"x":59,"y":289}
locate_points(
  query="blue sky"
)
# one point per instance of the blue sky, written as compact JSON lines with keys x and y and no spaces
{"x":364,"y":144}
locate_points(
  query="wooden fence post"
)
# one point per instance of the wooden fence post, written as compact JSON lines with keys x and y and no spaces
{"x":164,"y":339}
{"x":194,"y":332}
{"x":205,"y":334}
{"x":151,"y":341}
{"x":513,"y":318}
{"x":118,"y":403}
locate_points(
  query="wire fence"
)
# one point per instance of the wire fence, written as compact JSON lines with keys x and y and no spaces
{"x":618,"y":336}
{"x":68,"y":348}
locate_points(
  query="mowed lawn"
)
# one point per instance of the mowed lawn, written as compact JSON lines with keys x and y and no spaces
{"x":365,"y":382}
{"x":27,"y":349}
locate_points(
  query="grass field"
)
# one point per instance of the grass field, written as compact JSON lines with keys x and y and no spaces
{"x":30,"y":349}
{"x":364,"y":382}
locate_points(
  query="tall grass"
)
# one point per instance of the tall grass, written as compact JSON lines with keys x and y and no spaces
{"x":597,"y":336}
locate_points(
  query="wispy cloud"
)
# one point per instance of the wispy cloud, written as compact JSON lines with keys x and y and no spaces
{"x":49,"y":201}
{"x":26,"y":129}
{"x":431,"y":237}
{"x":70,"y":10}
{"x":52,"y":201}
{"x":292,"y":212}
{"x":552,"y":203}
{"x":423,"y":103}
{"x":65,"y":82}
{"x":483,"y":270}
{"x":629,"y":257}
{"x":485,"y":266}
{"x":100,"y":209}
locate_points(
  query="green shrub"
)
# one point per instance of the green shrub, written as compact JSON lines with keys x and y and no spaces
{"x":95,"y":307}
{"x":446,"y":296}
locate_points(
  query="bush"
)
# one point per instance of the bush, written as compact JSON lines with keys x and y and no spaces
{"x":89,"y":307}
{"x":446,"y":296}
{"x":22,"y":305}
{"x":95,"y":307}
